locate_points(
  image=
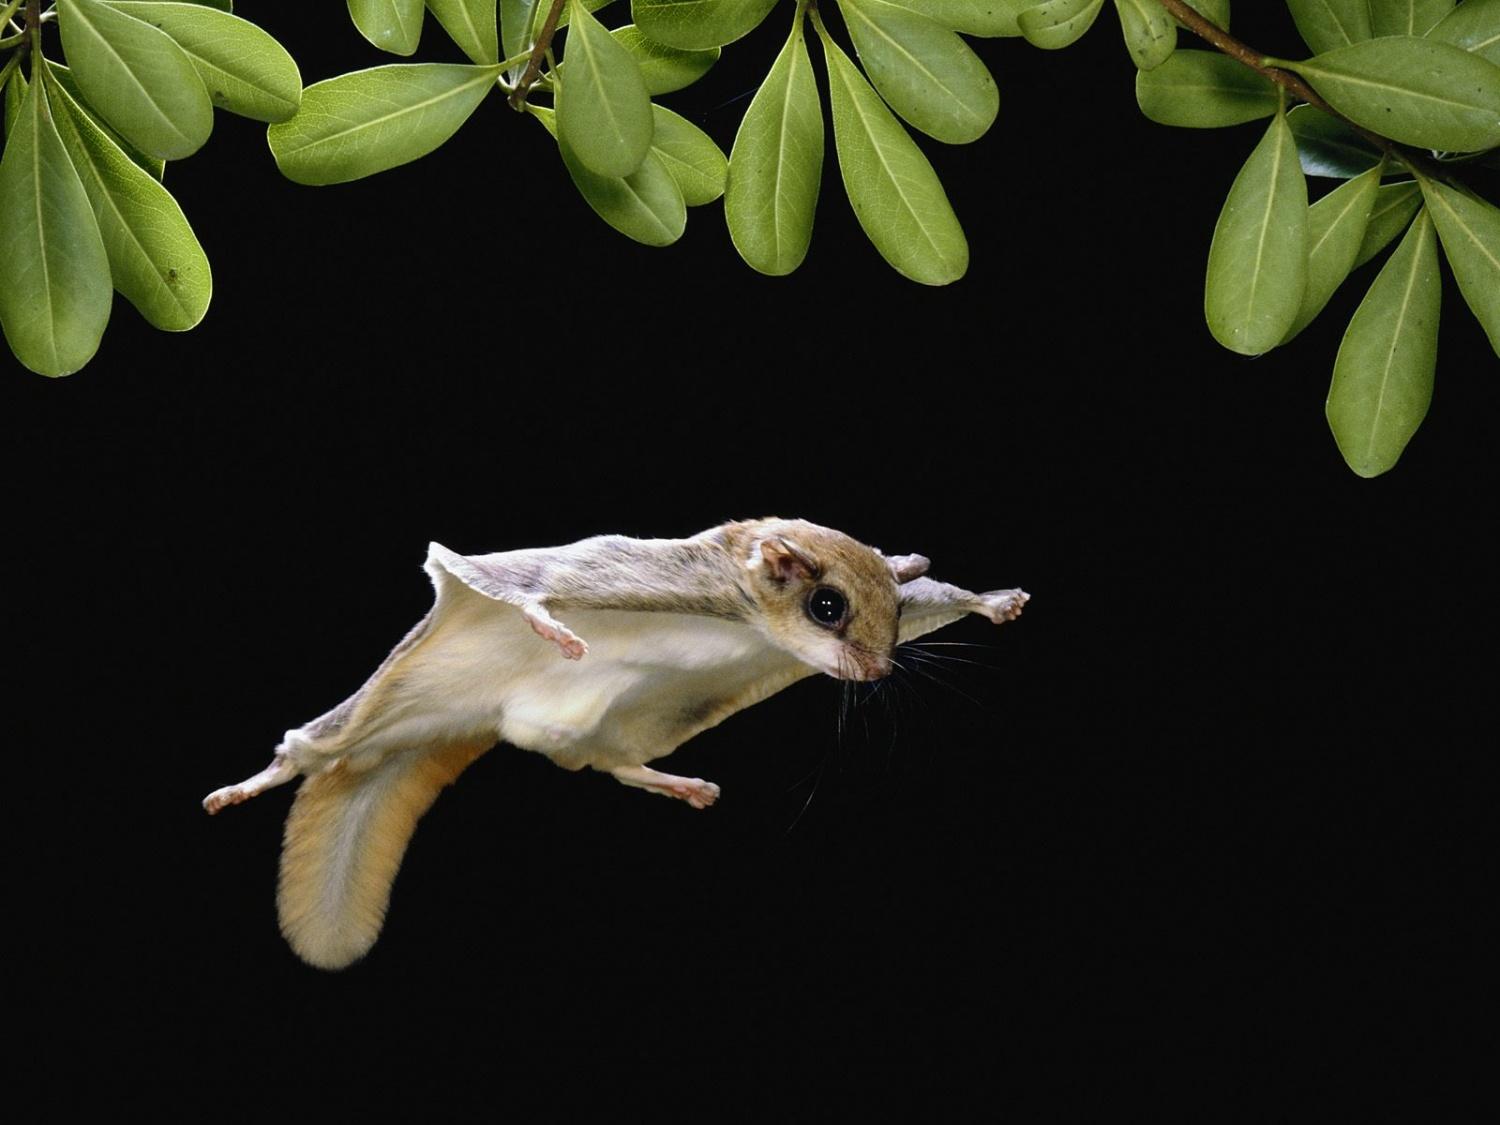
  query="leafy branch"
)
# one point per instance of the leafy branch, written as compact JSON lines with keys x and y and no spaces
{"x":1261,"y":63}
{"x":1397,"y":99}
{"x":1210,"y":32}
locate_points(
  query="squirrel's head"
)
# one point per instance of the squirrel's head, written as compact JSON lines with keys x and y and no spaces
{"x":829,"y":600}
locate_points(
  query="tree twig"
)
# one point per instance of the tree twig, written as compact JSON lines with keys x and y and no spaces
{"x":33,"y":45}
{"x":538,"y":52}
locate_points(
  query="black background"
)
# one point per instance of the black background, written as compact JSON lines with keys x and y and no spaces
{"x":1240,"y":720}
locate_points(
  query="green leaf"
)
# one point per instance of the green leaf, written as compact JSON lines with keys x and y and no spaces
{"x":664,"y":68}
{"x":896,"y":195}
{"x":1328,"y":147}
{"x":1215,"y":11}
{"x":1053,"y":24}
{"x":515,"y":26}
{"x":1470,"y":230}
{"x":1257,"y":264}
{"x":1475,"y":26}
{"x":646,"y":205}
{"x":1406,"y":17}
{"x":1327,"y":24}
{"x":244,"y":69}
{"x":54,"y":275}
{"x":603,"y":110}
{"x":15,"y":96}
{"x":539,"y":13}
{"x":136,"y":78}
{"x":155,"y":166}
{"x":391,"y":25}
{"x":696,"y":24}
{"x":1335,"y":228}
{"x":697,"y":164}
{"x":365,"y":122}
{"x":1382,"y":378}
{"x":1414,"y":91}
{"x":985,"y":18}
{"x":1203,"y":90}
{"x":155,"y":261}
{"x":1150,"y":34}
{"x":1395,"y":204}
{"x":472,"y":25}
{"x":776,"y":165}
{"x":926,"y":72}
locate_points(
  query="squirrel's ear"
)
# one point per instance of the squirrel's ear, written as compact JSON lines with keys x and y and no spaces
{"x":906,"y":567}
{"x":783,"y":559}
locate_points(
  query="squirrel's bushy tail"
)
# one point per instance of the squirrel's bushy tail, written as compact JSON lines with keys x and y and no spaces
{"x":345,"y":837}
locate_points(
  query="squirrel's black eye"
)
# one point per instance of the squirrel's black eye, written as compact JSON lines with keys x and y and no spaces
{"x":826,"y":606}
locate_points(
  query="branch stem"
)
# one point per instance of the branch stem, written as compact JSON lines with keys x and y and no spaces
{"x":538,"y":52}
{"x":1257,"y":61}
{"x":32,"y":48}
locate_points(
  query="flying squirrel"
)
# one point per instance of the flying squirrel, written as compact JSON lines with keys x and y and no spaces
{"x":672,"y":637}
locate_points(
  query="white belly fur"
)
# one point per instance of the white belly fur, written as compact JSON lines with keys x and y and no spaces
{"x":649,"y":681}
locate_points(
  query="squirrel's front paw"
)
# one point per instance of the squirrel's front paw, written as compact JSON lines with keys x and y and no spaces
{"x":564,"y":638}
{"x":1004,"y":605}
{"x":222,"y":798}
{"x":695,"y":791}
